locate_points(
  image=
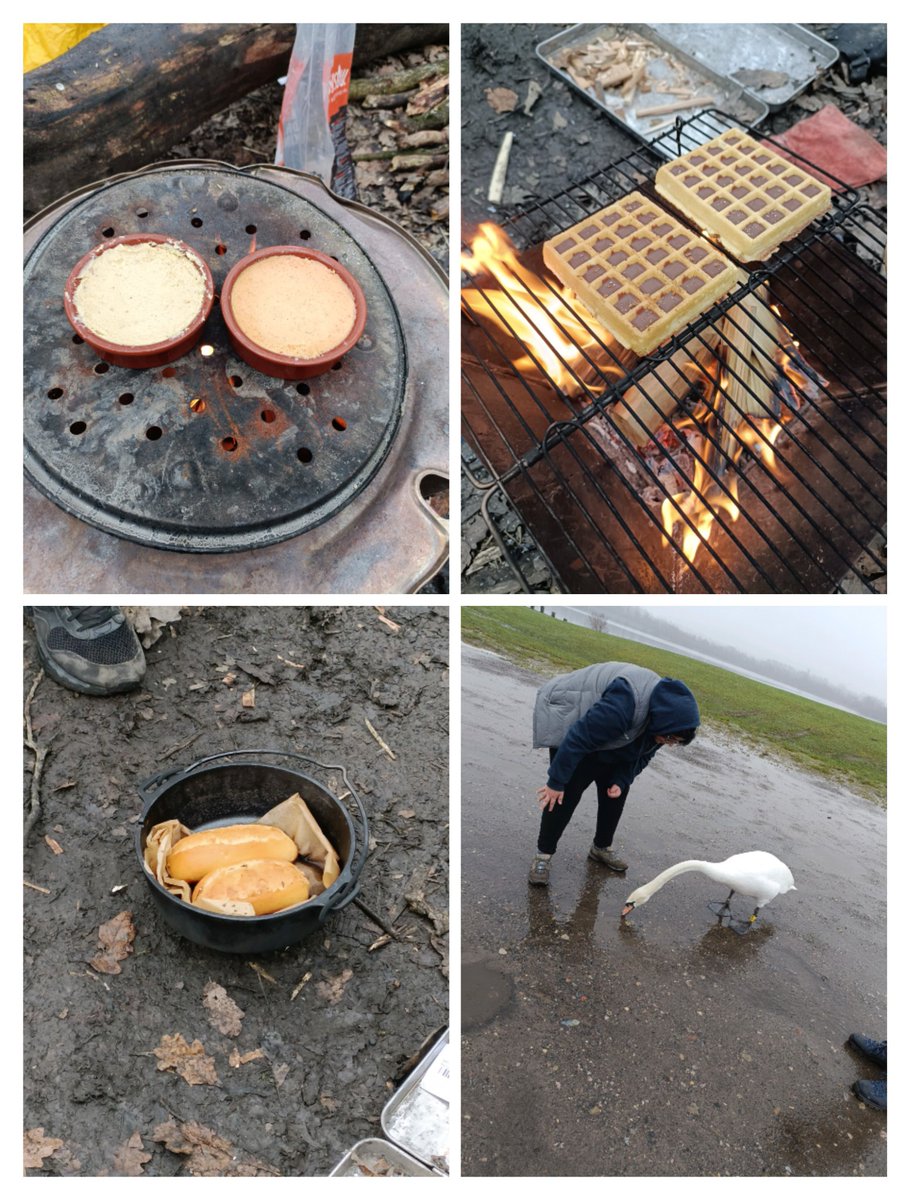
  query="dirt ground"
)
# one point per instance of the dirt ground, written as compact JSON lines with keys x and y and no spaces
{"x":663,"y":1045}
{"x":327,"y":1058}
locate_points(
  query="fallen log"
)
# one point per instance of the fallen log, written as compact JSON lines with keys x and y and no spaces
{"x":127,"y":93}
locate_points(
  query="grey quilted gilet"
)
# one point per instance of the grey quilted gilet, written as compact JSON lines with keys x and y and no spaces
{"x":563,"y":700}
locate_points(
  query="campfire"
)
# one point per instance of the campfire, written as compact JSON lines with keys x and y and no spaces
{"x":720,"y":401}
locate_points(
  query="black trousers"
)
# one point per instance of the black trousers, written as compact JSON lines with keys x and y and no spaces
{"x":609,"y":808}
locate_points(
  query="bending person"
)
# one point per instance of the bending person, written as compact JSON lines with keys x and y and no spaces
{"x":602,"y":724}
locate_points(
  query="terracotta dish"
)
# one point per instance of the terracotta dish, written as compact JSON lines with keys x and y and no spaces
{"x":292,"y":312}
{"x":140,"y":300}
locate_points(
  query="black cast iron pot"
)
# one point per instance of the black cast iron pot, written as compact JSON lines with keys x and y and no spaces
{"x":238,"y":790}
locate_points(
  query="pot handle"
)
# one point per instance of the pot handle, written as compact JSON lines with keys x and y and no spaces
{"x":148,"y":788}
{"x":344,"y":897}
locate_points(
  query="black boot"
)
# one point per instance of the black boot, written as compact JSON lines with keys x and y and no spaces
{"x":876,"y":1052}
{"x":90,"y":650}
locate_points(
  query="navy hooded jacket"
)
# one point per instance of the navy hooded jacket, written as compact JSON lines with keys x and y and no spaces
{"x":672,"y":709}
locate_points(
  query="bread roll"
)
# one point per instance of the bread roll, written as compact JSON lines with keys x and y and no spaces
{"x":268,"y":885}
{"x":195,"y":856}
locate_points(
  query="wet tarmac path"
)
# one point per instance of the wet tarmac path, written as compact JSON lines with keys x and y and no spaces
{"x":663,"y":1045}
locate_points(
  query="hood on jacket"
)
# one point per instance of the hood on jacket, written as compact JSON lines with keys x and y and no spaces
{"x":673,"y":708}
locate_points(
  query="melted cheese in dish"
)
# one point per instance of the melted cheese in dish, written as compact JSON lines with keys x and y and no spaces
{"x":140,"y":294}
{"x":293,"y":306}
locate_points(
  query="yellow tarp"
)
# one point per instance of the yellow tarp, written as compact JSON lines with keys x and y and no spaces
{"x":44,"y":42}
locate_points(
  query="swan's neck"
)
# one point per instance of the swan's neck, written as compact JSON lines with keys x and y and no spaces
{"x":691,"y":864}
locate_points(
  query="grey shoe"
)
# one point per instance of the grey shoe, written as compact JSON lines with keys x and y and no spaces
{"x":608,"y":858}
{"x":90,"y":650}
{"x":540,"y":869}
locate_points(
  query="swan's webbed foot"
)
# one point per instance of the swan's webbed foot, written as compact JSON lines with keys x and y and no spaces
{"x":742,"y":927}
{"x":721,"y":908}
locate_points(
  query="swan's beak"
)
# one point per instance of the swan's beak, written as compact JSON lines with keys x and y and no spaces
{"x":628,"y":908}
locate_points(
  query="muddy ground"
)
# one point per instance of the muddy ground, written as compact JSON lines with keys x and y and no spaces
{"x":329,"y":1056}
{"x":663,"y":1045}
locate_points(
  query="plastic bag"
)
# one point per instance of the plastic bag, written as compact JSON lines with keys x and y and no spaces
{"x":311,"y":127}
{"x":42,"y":43}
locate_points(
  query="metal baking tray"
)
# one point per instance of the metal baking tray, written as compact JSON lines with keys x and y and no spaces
{"x":790,"y":49}
{"x":375,"y":1152}
{"x":731,"y":97}
{"x":417,"y":1115}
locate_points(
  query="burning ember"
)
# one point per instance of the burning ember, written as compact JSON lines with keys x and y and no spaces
{"x":558,"y":340}
{"x":761,"y":387}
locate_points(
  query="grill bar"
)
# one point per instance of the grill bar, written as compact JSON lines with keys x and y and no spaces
{"x":555,"y":445}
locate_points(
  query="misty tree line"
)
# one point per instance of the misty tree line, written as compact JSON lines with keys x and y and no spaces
{"x":801,"y":679}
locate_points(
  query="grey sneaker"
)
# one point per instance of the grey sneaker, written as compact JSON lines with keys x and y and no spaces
{"x":608,"y":858}
{"x":540,"y":870}
{"x":90,"y":650}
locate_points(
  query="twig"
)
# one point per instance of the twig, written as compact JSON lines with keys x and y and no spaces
{"x":36,"y":888}
{"x":182,"y":746}
{"x":301,"y":985}
{"x":385,"y":620}
{"x":660,"y":110}
{"x":40,"y":753}
{"x":261,"y":973}
{"x":376,"y":918}
{"x":391,"y":753}
{"x":501,"y":166}
{"x":296,"y":666}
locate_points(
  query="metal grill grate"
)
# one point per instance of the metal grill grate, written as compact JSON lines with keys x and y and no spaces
{"x":556,"y":433}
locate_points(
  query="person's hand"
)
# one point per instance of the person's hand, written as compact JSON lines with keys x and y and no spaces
{"x":614,"y":790}
{"x":548,"y":799}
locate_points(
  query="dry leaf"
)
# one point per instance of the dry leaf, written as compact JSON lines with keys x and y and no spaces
{"x":207,"y":1153}
{"x":54,"y":845}
{"x":236,"y":1059}
{"x":280,"y":1072}
{"x":224,"y":1014}
{"x":116,"y":938}
{"x":37,"y":1147}
{"x":189,"y":1061}
{"x":331,"y":990}
{"x":248,"y":699}
{"x":407,"y":813}
{"x":328,"y":1103}
{"x":229,"y":678}
{"x":131,"y":1156}
{"x":501,"y":99}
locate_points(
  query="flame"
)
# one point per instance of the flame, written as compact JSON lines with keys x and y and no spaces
{"x":755,"y":435}
{"x":542,"y":318}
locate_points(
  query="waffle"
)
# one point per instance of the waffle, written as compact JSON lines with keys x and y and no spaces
{"x":738,"y":189}
{"x":642,"y":274}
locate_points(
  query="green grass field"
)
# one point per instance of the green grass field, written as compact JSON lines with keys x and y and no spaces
{"x":813,"y":736}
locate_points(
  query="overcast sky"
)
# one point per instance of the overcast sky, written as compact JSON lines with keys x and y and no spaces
{"x":841,"y":643}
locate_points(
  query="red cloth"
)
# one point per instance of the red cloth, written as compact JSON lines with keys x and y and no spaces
{"x":835,"y":144}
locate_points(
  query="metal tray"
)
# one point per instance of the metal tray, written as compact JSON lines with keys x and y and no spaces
{"x":791,"y":49}
{"x":416,"y":1117}
{"x":370,"y":1151}
{"x":731,"y":97}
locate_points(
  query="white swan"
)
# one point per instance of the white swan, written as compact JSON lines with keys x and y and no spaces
{"x":756,"y":874}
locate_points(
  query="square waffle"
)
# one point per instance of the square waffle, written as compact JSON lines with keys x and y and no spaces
{"x":642,"y":274}
{"x":749,"y":197}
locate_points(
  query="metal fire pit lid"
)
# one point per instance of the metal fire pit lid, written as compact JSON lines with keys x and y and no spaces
{"x":207,"y":454}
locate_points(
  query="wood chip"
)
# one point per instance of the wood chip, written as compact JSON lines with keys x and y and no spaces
{"x":35,"y":888}
{"x":54,"y":845}
{"x":248,"y":699}
{"x":385,"y":620}
{"x":301,"y":985}
{"x":236,"y":1059}
{"x":501,"y":99}
{"x":391,"y":753}
{"x":261,"y":973}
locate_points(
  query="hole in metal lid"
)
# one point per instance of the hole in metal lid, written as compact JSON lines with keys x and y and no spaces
{"x":197,"y":404}
{"x":267,"y":415}
{"x":126,"y":398}
{"x":251,"y":228}
{"x":77,"y":427}
{"x":109,"y":232}
{"x":196,"y":222}
{"x":305,"y":455}
{"x":303,"y":389}
{"x":169,"y":372}
{"x":101,"y":368}
{"x":235,"y":381}
{"x":206,"y":351}
{"x":55,"y":393}
{"x":153,"y":433}
{"x":229,"y":444}
{"x":339,"y":423}
{"x":221,"y":248}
